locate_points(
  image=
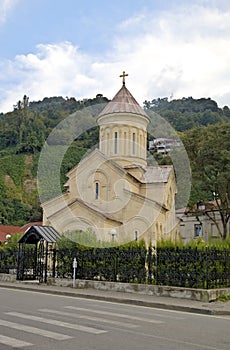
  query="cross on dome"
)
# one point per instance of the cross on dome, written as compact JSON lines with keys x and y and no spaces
{"x":123,"y":75}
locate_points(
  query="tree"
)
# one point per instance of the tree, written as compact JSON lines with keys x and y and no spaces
{"x":31,"y":128}
{"x":209,"y":152}
{"x":187,"y":113}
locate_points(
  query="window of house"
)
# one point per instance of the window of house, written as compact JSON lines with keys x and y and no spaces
{"x":198,"y":230}
{"x":96,"y":190}
{"x":134,"y":143}
{"x":115,"y":142}
{"x":135,"y":235}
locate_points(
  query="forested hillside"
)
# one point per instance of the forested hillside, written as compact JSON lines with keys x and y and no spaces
{"x":188,"y":113}
{"x":22,"y":136}
{"x":24,"y":131}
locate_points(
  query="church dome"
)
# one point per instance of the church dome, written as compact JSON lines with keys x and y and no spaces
{"x":123,"y":102}
{"x":123,"y":129}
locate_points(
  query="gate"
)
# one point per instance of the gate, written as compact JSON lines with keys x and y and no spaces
{"x":36,"y":260}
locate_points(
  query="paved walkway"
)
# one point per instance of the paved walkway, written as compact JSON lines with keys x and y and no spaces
{"x":213,"y":308}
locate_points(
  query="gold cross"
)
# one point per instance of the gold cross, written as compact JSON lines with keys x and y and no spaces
{"x":123,"y":75}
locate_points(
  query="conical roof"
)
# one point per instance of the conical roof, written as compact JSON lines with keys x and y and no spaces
{"x":123,"y":102}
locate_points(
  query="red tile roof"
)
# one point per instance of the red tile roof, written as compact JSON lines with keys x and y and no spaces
{"x":25,"y":227}
{"x":8,"y":230}
{"x":11,"y":230}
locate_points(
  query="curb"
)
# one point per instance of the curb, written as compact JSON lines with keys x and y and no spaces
{"x":137,"y":302}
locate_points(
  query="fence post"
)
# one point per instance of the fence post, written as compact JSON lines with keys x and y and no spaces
{"x":156,"y":266}
{"x":54,"y":262}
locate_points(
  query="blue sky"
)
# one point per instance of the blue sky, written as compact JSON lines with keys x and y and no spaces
{"x":78,"y":48}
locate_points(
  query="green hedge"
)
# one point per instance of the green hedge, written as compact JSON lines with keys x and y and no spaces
{"x":124,"y":263}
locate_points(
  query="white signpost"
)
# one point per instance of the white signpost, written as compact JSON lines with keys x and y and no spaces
{"x":74,"y":272}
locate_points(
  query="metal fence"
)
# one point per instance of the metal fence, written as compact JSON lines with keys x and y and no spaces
{"x":193,"y":267}
{"x":8,"y":261}
{"x":183,"y":267}
{"x":108,"y":264}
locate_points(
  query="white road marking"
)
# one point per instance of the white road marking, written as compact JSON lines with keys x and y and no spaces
{"x":34,"y":330}
{"x":136,"y":318}
{"x":14,"y":343}
{"x":57,"y":323}
{"x":91,"y":318}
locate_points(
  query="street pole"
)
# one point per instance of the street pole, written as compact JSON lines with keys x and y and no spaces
{"x":74,"y":272}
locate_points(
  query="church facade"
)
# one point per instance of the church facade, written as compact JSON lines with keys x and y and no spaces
{"x":112,"y":191}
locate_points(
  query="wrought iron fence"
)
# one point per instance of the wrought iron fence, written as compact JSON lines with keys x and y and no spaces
{"x":183,"y":267}
{"x":108,"y":264}
{"x":8,"y":261}
{"x":193,"y":267}
{"x":218,"y":268}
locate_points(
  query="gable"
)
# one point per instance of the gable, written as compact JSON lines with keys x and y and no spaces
{"x":95,"y":210}
{"x":97,"y":170}
{"x":94,"y":159}
{"x":36,"y":233}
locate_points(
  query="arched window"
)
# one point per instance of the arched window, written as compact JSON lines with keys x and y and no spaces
{"x":125,"y":142}
{"x":134,"y":143}
{"x":115,"y":142}
{"x":96,"y":190}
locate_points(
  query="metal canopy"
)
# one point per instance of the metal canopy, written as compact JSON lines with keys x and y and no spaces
{"x":36,"y":233}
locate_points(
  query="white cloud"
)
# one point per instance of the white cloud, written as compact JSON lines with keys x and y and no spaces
{"x":185,"y":52}
{"x":6,"y":7}
{"x":54,"y":70}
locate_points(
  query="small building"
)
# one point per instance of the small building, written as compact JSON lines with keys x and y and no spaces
{"x":198,"y":223}
{"x":163,"y":145}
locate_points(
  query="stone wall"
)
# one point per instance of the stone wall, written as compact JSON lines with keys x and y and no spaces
{"x":7,"y":277}
{"x":203,"y":295}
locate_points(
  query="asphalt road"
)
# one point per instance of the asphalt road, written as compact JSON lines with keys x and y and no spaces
{"x":38,"y":321}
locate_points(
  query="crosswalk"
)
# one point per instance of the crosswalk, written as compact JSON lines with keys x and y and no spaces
{"x":57,"y":323}
{"x":33,"y":330}
{"x":14,"y":343}
{"x":87,"y":320}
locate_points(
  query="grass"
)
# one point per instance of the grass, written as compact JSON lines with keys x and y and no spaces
{"x":223,"y":298}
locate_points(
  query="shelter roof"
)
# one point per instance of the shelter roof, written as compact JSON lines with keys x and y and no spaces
{"x":35,"y":233}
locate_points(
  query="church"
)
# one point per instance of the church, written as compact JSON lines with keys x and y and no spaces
{"x":113,"y":192}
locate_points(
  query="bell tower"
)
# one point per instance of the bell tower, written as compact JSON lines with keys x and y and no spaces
{"x":123,"y":129}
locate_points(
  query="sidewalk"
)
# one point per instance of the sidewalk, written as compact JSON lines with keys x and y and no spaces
{"x":168,"y":303}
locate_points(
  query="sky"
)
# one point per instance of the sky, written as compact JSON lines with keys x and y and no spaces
{"x":78,"y":49}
